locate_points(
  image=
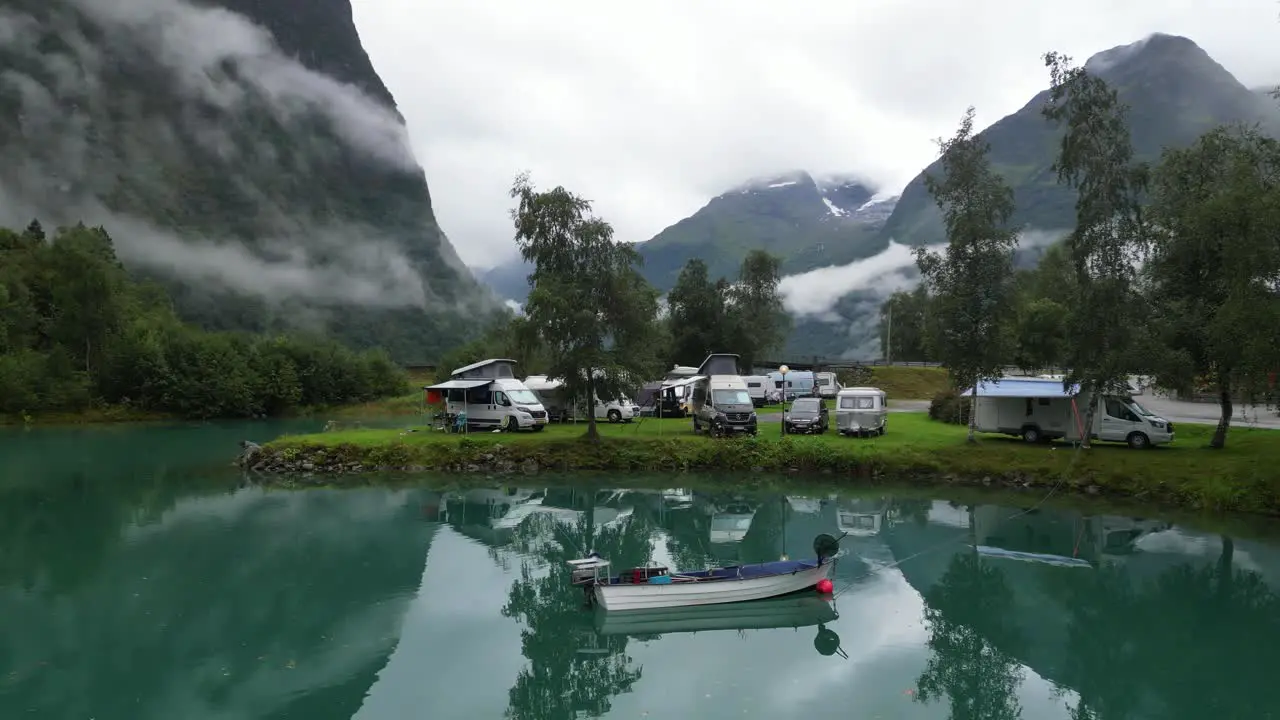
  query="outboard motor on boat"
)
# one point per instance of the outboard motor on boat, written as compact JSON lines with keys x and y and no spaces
{"x":825,"y":547}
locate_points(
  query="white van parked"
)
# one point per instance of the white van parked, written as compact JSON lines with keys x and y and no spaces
{"x":758,"y":388}
{"x":489,"y":396}
{"x":562,"y":408}
{"x":1037,"y":409}
{"x":825,"y":384}
{"x":720,"y":401}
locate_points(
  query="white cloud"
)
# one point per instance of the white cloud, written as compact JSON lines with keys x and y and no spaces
{"x":650,"y":109}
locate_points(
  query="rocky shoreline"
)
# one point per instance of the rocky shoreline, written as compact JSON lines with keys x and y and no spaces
{"x":328,"y":465}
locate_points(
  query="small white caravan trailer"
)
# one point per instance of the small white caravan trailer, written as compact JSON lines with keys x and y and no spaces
{"x":861,"y":411}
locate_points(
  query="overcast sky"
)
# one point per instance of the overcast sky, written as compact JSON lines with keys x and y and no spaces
{"x":652,"y":108}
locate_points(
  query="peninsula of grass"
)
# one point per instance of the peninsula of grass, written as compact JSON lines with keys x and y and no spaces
{"x":916,"y":450}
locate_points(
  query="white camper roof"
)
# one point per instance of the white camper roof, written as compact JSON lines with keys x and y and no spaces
{"x":541,"y":382}
{"x":457,"y":385}
{"x":498,"y":365}
{"x":860,"y":391}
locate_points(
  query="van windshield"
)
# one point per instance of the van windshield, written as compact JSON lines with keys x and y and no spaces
{"x":1139,"y":409}
{"x":730,"y":397}
{"x":523,"y":397}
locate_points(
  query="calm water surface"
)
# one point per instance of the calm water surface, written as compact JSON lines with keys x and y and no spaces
{"x":139,"y":579}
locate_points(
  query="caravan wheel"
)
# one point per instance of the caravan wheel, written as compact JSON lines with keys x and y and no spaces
{"x":1031,"y":434}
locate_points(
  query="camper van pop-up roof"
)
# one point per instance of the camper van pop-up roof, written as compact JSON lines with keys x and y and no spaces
{"x":719,"y":364}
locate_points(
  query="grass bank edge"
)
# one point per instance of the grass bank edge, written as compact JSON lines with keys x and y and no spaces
{"x":1242,"y":477}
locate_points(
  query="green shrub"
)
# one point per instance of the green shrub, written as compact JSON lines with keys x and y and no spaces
{"x":949,"y":407}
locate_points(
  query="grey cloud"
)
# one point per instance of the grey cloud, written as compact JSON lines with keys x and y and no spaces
{"x":583,"y":95}
{"x":57,"y":173}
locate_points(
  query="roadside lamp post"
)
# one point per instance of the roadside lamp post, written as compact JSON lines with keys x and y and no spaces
{"x":784,"y":370}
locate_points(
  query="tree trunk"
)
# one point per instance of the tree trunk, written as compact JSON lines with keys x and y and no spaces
{"x":593,"y":433}
{"x":1226,"y":572}
{"x":1224,"y":400}
{"x":973,"y":413}
{"x":1087,"y":434}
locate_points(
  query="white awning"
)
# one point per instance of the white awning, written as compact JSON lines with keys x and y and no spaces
{"x":458,"y":385}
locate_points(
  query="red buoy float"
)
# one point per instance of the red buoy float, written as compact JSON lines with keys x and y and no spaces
{"x":825,"y":587}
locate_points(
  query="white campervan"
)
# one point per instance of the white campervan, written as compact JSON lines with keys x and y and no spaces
{"x":825,"y":384}
{"x":489,"y":396}
{"x":562,"y":408}
{"x":758,"y":388}
{"x":719,"y":400}
{"x":1037,"y":409}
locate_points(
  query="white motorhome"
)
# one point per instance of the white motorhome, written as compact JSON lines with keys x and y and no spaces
{"x":562,"y":407}
{"x":1038,"y":409}
{"x":825,"y":384}
{"x":672,"y":399}
{"x":720,"y":400}
{"x":489,"y":396}
{"x":758,"y":388}
{"x":861,"y":411}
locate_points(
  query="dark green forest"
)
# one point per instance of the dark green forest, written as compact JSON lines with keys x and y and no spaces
{"x":78,"y":332}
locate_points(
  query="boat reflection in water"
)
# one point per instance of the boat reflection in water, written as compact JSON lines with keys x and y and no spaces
{"x":791,"y":611}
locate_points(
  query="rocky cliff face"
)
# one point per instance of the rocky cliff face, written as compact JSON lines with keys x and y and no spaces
{"x":243,"y":152}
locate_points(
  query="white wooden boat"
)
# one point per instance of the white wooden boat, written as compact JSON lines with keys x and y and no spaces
{"x":653,"y":586}
{"x":794,"y":611}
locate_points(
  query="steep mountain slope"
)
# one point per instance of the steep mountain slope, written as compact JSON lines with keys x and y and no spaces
{"x":807,"y":222}
{"x":244,"y":152}
{"x":1175,"y":92}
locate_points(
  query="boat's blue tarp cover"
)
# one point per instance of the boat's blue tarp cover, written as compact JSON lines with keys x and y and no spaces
{"x":1023,"y":388}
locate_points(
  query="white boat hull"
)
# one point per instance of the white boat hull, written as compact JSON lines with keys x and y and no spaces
{"x":646,"y":596}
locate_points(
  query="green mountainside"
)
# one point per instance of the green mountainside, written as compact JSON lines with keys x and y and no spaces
{"x":244,"y":153}
{"x":1175,"y":92}
{"x":808,"y":223}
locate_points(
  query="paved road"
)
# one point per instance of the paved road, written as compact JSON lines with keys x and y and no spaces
{"x":1179,"y":411}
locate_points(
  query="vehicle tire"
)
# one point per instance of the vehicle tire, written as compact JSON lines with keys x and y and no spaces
{"x":1138,"y":441}
{"x":509,"y":424}
{"x":1031,"y":434}
{"x":615,"y":416}
{"x":882,"y":429}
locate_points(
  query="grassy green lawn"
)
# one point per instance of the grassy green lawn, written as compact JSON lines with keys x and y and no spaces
{"x":1243,"y":476}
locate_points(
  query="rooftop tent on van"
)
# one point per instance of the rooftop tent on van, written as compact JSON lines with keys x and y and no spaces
{"x":719,"y":364}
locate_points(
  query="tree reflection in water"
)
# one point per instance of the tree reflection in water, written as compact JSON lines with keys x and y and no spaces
{"x":1205,"y":640}
{"x":969,"y":613}
{"x":560,"y":681}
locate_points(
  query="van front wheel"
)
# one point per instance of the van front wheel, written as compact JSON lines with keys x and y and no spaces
{"x":615,"y":416}
{"x":510,"y":424}
{"x":1139,"y":441}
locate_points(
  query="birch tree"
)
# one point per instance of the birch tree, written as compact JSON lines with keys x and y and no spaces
{"x":1215,"y":267}
{"x":1096,"y":158}
{"x":593,"y":311}
{"x":971,"y":281}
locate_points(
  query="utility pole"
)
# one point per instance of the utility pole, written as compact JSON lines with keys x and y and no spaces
{"x":888,"y":344}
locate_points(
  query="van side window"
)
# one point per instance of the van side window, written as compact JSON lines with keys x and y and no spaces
{"x":1120,"y":411}
{"x":846,"y":403}
{"x":500,"y":398}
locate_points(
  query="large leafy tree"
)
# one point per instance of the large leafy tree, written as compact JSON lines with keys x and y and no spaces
{"x":756,"y":307}
{"x":905,"y":326}
{"x":1096,"y":158}
{"x":588,"y":302}
{"x":971,"y":280}
{"x":1043,"y":309}
{"x":1215,"y":267}
{"x":697,"y":315}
